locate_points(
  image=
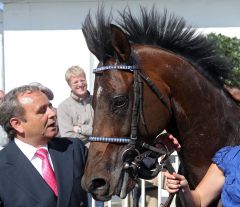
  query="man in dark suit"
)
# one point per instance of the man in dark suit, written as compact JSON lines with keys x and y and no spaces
{"x":30,"y":122}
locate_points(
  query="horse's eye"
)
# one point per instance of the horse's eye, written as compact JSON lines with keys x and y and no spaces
{"x":119,"y":102}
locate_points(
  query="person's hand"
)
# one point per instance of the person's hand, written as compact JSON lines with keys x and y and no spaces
{"x":175,"y":181}
{"x":234,"y":92}
{"x":169,"y":141}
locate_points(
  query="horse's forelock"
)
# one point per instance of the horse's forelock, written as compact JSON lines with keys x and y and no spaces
{"x":98,"y":34}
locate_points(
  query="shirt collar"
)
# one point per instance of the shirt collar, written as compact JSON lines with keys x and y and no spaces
{"x":27,"y":149}
{"x":76,"y":98}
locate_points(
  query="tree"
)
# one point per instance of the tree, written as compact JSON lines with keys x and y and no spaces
{"x":230,"y":47}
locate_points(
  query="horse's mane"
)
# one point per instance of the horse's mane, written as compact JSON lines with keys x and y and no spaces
{"x":164,"y":30}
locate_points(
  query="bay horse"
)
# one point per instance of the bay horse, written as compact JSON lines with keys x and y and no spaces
{"x":155,"y":72}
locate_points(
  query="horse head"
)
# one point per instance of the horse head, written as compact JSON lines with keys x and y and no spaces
{"x":115,"y":112}
{"x":148,"y":81}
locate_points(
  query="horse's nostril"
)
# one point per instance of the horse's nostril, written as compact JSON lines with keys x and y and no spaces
{"x":99,"y":188}
{"x":98,"y":183}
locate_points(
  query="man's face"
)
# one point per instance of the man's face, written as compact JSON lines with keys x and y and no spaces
{"x":78,"y":85}
{"x":38,"y":124}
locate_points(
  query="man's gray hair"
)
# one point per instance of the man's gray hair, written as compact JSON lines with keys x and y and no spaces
{"x":10,"y":107}
{"x":44,"y":89}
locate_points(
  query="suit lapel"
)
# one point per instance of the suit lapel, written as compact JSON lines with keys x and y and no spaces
{"x":62,"y":158}
{"x":26,"y":177}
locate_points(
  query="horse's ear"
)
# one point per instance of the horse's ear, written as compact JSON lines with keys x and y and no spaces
{"x":120,"y":43}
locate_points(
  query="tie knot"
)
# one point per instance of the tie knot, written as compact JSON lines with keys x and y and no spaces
{"x":42,"y":153}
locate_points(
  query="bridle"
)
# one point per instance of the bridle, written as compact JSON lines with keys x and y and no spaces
{"x":132,"y":157}
{"x":134,"y":163}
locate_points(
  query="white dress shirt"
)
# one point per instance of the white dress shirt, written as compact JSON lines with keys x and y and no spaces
{"x":29,"y":151}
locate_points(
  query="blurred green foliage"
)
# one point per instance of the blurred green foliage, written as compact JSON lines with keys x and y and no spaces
{"x":230,"y":47}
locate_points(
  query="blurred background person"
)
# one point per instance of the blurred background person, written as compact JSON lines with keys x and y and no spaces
{"x":75,"y":114}
{"x":3,"y":134}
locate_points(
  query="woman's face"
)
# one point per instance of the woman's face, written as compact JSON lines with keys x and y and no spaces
{"x":78,"y":85}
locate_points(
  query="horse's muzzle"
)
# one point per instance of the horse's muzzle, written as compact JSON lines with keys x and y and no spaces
{"x":98,"y":187}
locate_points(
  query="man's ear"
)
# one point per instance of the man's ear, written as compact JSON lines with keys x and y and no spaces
{"x":16,"y":123}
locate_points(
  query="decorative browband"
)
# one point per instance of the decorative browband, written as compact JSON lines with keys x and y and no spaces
{"x":110,"y":139}
{"x":118,"y":67}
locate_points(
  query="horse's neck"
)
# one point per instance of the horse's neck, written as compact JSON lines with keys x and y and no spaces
{"x":201,"y":109}
{"x":204,"y":118}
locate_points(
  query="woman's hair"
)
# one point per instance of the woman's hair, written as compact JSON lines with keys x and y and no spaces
{"x":74,"y":71}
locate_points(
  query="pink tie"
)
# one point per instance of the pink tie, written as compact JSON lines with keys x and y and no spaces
{"x":47,"y":170}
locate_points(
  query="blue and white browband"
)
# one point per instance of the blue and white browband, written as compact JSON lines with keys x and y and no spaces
{"x":118,"y":67}
{"x":110,"y":139}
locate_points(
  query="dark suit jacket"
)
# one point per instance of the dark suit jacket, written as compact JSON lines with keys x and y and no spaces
{"x":22,"y":186}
